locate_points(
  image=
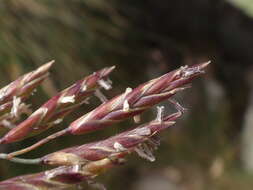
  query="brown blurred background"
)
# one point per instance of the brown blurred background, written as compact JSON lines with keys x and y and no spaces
{"x":211,"y":147}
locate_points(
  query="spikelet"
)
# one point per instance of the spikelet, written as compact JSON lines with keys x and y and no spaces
{"x":55,"y":109}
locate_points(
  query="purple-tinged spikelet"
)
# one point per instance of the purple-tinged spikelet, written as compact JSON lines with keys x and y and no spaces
{"x":55,"y":109}
{"x":61,"y":178}
{"x":127,"y":105}
{"x":83,"y":163}
{"x":13,"y":95}
{"x":22,"y":87}
{"x":134,"y":102}
{"x":134,"y":140}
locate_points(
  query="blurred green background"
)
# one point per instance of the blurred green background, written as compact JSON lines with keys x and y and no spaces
{"x":211,"y":147}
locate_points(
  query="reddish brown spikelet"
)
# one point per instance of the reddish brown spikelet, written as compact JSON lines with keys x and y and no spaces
{"x":134,"y":102}
{"x":22,"y":87}
{"x":129,"y":104}
{"x":54,"y":110}
{"x":117,"y":146}
{"x":87,"y":161}
{"x":65,"y":177}
{"x":13,"y":95}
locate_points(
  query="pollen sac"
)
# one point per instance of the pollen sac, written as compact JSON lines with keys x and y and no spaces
{"x":105,"y":84}
{"x":160,"y":111}
{"x":15,"y":107}
{"x":126,"y":106}
{"x":119,"y":147}
{"x":137,"y":118}
{"x":67,"y":99}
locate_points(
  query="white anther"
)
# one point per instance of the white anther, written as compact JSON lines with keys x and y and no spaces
{"x":119,"y":147}
{"x":84,"y":88}
{"x":178,"y":106}
{"x":126,"y":106}
{"x":76,"y":168}
{"x":57,"y":121}
{"x":15,"y":106}
{"x":42,"y":111}
{"x":67,"y":99}
{"x":160,"y":111}
{"x":3,"y":92}
{"x":186,"y":71}
{"x":183,"y":68}
{"x":128,"y":90}
{"x":137,"y":118}
{"x":106,"y":85}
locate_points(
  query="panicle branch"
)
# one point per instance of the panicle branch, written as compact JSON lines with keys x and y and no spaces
{"x":83,"y":163}
{"x":129,"y":104}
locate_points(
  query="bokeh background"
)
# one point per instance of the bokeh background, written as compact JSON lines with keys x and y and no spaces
{"x":211,"y":147}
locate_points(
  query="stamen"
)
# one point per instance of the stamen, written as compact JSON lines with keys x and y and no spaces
{"x":15,"y":107}
{"x":67,"y":99}
{"x":186,"y":71}
{"x":119,"y":147}
{"x":3,"y":91}
{"x":128,"y":90}
{"x":126,"y":106}
{"x":57,"y":121}
{"x":160,"y":111}
{"x":41,"y":110}
{"x":183,"y":68}
{"x":105,"y":84}
{"x":137,"y":118}
{"x":179,"y":108}
{"x":84,"y":88}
